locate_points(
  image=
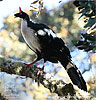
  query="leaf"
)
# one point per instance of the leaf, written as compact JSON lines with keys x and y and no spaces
{"x":38,"y":13}
{"x":35,"y":2}
{"x":41,"y":4}
{"x":32,"y":10}
{"x":81,"y":16}
{"x":82,"y":47}
{"x":33,"y":7}
{"x":91,"y":22}
{"x":84,"y":11}
{"x":79,"y":43}
{"x":83,"y":3}
{"x":76,"y":3}
{"x":60,"y":1}
{"x":89,"y":48}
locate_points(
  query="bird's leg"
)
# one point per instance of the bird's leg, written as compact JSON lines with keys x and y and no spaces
{"x":41,"y":69}
{"x":30,"y":63}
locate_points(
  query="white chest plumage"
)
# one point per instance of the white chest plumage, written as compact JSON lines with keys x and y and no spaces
{"x":30,"y":37}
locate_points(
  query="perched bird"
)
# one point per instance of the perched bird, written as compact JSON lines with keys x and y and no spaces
{"x":47,"y":45}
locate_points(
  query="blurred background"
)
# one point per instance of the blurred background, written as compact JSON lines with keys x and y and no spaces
{"x":62,"y":17}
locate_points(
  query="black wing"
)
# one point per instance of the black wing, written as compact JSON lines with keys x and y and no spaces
{"x":48,"y":38}
{"x":52,"y":43}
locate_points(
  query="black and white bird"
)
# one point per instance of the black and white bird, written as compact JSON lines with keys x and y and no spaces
{"x":47,"y":45}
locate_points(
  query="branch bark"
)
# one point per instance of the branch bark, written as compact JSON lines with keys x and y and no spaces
{"x":55,"y":86}
{"x":2,"y":98}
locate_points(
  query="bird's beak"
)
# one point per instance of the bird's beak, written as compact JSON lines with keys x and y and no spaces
{"x":17,"y":15}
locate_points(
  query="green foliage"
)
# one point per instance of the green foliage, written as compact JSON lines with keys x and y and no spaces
{"x":87,"y":9}
{"x":89,"y":42}
{"x":90,"y":22}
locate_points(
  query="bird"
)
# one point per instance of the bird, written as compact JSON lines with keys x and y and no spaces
{"x":47,"y":45}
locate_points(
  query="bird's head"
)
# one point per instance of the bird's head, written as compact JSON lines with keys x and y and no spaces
{"x":22,"y":15}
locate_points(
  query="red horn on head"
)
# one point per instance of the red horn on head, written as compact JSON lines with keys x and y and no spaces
{"x":20,"y":10}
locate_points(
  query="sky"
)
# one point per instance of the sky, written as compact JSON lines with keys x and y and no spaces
{"x":8,"y":7}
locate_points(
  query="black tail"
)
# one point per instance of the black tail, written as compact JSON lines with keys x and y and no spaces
{"x":75,"y":75}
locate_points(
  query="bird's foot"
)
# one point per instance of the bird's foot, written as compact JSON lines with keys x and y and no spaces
{"x":40,"y":70}
{"x":28,"y":65}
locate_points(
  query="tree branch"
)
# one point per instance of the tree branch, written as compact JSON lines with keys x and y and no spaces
{"x":2,"y":98}
{"x":55,"y":86}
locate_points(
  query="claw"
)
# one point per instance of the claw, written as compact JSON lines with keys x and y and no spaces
{"x":41,"y":69}
{"x":28,"y":65}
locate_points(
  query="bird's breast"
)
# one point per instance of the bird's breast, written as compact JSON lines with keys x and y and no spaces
{"x":30,"y":37}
